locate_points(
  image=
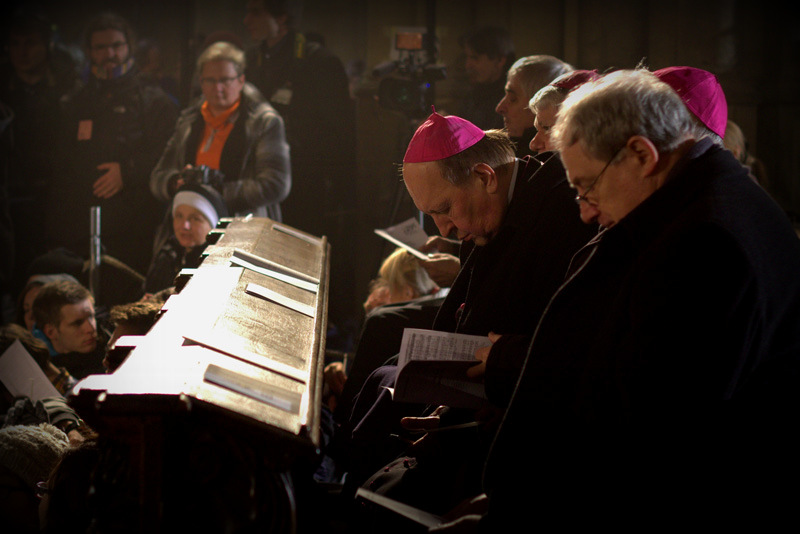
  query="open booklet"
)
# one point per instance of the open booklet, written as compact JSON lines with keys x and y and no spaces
{"x":432,"y":369}
{"x":408,"y":235}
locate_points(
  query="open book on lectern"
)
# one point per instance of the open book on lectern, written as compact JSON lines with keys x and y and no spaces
{"x":432,"y":369}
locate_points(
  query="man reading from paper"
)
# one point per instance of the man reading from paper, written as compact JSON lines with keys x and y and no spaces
{"x":524,"y":226}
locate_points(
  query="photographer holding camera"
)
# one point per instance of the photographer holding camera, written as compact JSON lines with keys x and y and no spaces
{"x":228,"y":140}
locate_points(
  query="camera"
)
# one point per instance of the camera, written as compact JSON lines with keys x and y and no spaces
{"x":407,"y":84}
{"x":203,"y":175}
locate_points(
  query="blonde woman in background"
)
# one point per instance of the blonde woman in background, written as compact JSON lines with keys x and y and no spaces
{"x":401,"y":278}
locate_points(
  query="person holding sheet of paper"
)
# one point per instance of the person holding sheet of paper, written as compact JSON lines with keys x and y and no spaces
{"x":523,"y":227}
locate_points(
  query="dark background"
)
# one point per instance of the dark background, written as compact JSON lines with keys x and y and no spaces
{"x":752,"y":46}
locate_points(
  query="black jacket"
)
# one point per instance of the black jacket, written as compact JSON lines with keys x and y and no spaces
{"x":668,"y":362}
{"x":124,"y":120}
{"x":505,"y":285}
{"x":308,"y":86}
{"x":168,"y":262}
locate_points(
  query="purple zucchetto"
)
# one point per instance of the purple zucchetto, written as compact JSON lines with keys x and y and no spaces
{"x":575,"y":78}
{"x":440,"y":137}
{"x":701,"y":92}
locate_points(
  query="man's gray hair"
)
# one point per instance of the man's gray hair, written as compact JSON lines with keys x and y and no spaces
{"x":222,"y":51}
{"x":547,"y":97}
{"x":605,"y":113}
{"x":495,"y":150}
{"x":534,"y":72}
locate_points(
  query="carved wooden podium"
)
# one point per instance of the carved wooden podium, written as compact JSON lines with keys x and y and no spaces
{"x":215,"y":408}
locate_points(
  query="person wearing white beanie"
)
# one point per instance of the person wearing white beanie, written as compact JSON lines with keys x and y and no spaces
{"x":196,"y":210}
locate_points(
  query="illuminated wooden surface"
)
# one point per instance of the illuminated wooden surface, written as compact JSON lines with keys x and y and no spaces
{"x":219,"y":347}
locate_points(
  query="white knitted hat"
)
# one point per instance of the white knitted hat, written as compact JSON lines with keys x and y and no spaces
{"x":203,"y":198}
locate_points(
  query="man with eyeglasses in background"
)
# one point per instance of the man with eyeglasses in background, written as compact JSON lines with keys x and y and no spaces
{"x":114,"y":127}
{"x":662,"y":381}
{"x":229,"y":140}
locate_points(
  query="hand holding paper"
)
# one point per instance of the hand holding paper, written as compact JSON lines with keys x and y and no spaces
{"x":482,"y":355}
{"x":437,"y":243}
{"x":432,"y":368}
{"x":442,"y":268}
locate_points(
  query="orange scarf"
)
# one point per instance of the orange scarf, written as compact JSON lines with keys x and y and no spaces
{"x":217,"y":129}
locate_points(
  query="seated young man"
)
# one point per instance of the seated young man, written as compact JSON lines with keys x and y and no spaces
{"x":65,"y":320}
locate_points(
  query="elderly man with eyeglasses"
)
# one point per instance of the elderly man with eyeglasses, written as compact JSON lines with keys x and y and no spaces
{"x":662,"y":382}
{"x":230,"y":139}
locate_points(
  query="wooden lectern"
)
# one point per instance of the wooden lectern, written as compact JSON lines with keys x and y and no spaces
{"x":215,"y":409}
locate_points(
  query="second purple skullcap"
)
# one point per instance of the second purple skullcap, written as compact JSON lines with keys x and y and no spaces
{"x":571,"y":80}
{"x":701,"y":92}
{"x":440,"y":137}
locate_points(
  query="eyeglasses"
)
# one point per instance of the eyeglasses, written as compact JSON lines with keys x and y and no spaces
{"x":211,"y":82}
{"x":582,"y":198}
